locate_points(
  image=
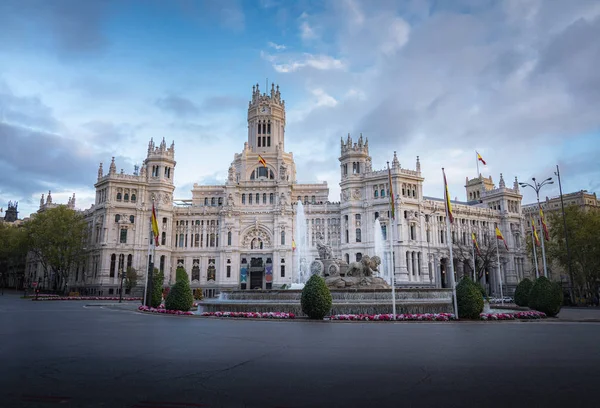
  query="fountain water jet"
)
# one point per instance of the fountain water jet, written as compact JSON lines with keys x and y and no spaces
{"x":380,"y":252}
{"x":302,"y":272}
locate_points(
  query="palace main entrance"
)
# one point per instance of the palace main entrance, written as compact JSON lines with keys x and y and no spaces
{"x":256,"y":271}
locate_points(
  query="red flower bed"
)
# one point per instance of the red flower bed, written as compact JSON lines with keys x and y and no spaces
{"x":164,"y":311}
{"x":512,"y":316}
{"x":252,"y":315}
{"x":428,"y":317}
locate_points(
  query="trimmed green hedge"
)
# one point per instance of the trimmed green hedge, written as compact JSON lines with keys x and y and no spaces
{"x":316,"y":298}
{"x":157,"y":287}
{"x":546,"y":296}
{"x":469,"y":299}
{"x":522,"y":292}
{"x":180,"y":297}
{"x":181,"y":274}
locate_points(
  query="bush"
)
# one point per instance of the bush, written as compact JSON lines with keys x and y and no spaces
{"x":546,"y":296}
{"x":316,"y":298}
{"x":469,"y":299}
{"x":181,"y":274}
{"x":180,"y":297}
{"x":157,"y":287}
{"x":522,"y":292}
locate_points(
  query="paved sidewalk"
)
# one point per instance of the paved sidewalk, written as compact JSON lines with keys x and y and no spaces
{"x":579,"y":314}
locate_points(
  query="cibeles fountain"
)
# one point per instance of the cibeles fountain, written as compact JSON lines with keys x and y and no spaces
{"x":358,"y":287}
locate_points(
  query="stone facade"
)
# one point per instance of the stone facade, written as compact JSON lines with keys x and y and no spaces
{"x":239,"y":234}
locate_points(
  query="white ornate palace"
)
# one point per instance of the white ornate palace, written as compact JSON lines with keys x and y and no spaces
{"x":239,"y":234}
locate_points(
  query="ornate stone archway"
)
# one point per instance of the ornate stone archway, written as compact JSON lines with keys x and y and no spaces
{"x":257,"y":237}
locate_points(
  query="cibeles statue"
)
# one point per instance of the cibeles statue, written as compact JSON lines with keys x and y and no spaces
{"x":339,"y":275}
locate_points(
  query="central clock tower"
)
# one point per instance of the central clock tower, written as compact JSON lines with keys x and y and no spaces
{"x":266,"y":121}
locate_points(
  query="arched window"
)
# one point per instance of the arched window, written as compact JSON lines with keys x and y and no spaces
{"x":119,"y":196}
{"x":264,"y":198}
{"x":121,"y":262}
{"x":220,"y":201}
{"x":117,"y":218}
{"x":347,"y":256}
{"x":376,"y":193}
{"x":163,"y":238}
{"x":384,"y":232}
{"x":162,"y":264}
{"x":305,"y":199}
{"x":358,"y":235}
{"x":229,"y":238}
{"x":113,"y":261}
{"x":212,"y":201}
{"x":129,"y":261}
{"x":206,"y":201}
{"x":271,"y":198}
{"x":253,"y":176}
{"x":126,"y":197}
{"x":282,"y":237}
{"x":212,"y":240}
{"x":382,"y":193}
{"x":271,"y":175}
{"x":313,"y":200}
{"x":131,"y":219}
{"x":262,"y":172}
{"x":250,"y":198}
{"x":243,"y":198}
{"x":133,"y":198}
{"x":376,"y":214}
{"x":257,"y":198}
{"x":358,"y":256}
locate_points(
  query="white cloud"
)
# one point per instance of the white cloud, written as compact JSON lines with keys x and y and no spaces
{"x":278,"y":47}
{"x":295,"y":63}
{"x":398,"y":33}
{"x":307,"y":32}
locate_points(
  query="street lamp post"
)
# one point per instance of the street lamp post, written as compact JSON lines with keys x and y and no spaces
{"x":537,"y":187}
{"x":562,"y":204}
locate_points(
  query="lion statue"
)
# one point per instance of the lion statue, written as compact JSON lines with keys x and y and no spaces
{"x":366,"y":267}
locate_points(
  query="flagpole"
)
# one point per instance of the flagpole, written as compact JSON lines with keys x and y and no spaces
{"x":148,"y":259}
{"x":537,"y":271}
{"x":449,"y":240}
{"x":392,"y":222}
{"x":474,"y":273}
{"x":477,"y":163}
{"x":499,"y":273}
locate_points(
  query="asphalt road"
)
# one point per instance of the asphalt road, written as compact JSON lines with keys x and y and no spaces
{"x":58,"y":353}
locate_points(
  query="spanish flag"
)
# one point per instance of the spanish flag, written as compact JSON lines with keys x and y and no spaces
{"x":480,"y":158}
{"x":154,"y":225}
{"x":535,"y":234}
{"x":499,"y":236}
{"x":475,"y":243}
{"x":544,"y":226}
{"x":393,"y":206}
{"x":262,"y":161}
{"x":447,"y":197}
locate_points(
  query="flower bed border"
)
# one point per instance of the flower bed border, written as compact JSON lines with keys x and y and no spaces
{"x":528,"y":315}
{"x":46,"y":298}
{"x":425,"y":317}
{"x":251,"y":315}
{"x":147,"y":309}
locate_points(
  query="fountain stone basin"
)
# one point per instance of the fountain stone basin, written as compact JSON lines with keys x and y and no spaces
{"x":367,"y":301}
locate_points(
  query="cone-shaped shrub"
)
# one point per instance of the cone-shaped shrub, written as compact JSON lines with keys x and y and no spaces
{"x":181,"y":274}
{"x":316,"y":298}
{"x":469,"y":299}
{"x":180,"y":297}
{"x":522,"y":292}
{"x":546,"y":296}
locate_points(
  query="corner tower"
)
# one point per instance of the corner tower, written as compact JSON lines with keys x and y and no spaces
{"x":266,"y":121}
{"x":354,"y":157}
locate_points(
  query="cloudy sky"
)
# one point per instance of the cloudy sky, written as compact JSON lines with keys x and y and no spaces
{"x":82,"y":81}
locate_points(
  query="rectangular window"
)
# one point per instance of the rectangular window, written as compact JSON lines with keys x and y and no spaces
{"x":123,"y":238}
{"x":229,"y":271}
{"x":283,"y":271}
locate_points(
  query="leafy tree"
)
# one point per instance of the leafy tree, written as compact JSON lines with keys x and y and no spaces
{"x":316,"y":298}
{"x":486,"y":259}
{"x":181,"y":274}
{"x":56,"y":239}
{"x":131,"y":278}
{"x":180,"y":297}
{"x":13,"y":252}
{"x":583,"y":228}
